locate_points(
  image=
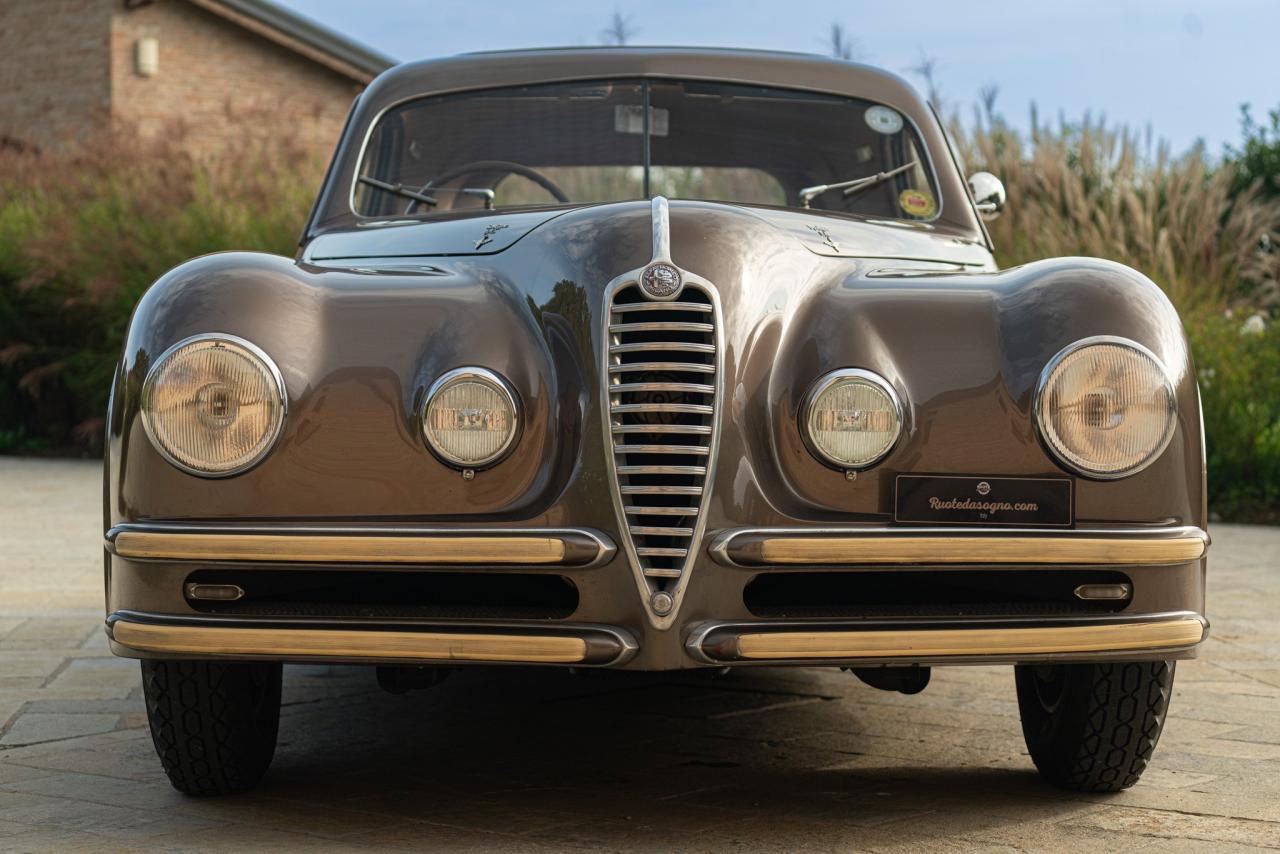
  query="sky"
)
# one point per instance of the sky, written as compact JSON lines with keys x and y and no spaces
{"x":1180,"y":68}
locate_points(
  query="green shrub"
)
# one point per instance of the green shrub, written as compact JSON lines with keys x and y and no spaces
{"x":1239,"y":373}
{"x":83,"y":233}
{"x":1256,"y":163}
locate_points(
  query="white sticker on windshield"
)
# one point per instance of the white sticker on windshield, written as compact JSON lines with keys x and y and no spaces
{"x":884,"y":120}
{"x":630,"y":119}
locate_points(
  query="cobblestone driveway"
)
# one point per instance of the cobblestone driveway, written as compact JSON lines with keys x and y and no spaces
{"x":513,"y":761}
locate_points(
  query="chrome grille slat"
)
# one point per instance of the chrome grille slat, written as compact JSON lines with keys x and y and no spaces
{"x":687,"y":408}
{"x":662,"y":384}
{"x":636,"y":510}
{"x":689,"y":429}
{"x":691,"y":450}
{"x":683,"y":367}
{"x":661,"y":469}
{"x":656,"y":551}
{"x":664,"y":346}
{"x":690,"y":388}
{"x":662,"y":490}
{"x":662,"y":306}
{"x":661,"y":531}
{"x":661,"y":326}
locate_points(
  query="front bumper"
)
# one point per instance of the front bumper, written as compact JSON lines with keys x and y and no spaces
{"x":148,"y":565}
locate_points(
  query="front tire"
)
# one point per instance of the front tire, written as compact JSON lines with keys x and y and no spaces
{"x":214,"y":723}
{"x":1093,"y":727}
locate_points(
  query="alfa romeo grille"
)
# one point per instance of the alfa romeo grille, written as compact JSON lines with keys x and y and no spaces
{"x":662,"y":403}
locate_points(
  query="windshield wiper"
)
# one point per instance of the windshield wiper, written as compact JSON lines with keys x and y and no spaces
{"x":399,"y":190}
{"x":855,"y":185}
{"x":417,"y":196}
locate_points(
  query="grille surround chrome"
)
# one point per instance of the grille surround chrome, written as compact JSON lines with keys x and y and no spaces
{"x":660,"y":473}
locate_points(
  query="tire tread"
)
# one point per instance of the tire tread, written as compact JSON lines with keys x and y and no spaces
{"x":1107,"y":733}
{"x":214,"y":724}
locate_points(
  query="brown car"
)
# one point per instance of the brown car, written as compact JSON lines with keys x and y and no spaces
{"x":654,"y":359}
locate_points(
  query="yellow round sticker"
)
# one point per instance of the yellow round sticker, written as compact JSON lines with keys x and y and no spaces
{"x":917,"y":203}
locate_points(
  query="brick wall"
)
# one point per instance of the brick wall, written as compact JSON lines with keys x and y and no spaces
{"x":220,"y":81}
{"x":67,"y":70}
{"x":54,"y":68}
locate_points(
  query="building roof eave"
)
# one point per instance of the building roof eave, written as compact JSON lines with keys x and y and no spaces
{"x":318,"y":43}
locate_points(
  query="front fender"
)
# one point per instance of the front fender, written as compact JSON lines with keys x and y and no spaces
{"x":965,"y":353}
{"x":357,"y":350}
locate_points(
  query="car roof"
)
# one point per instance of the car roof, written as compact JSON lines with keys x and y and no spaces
{"x":491,"y":69}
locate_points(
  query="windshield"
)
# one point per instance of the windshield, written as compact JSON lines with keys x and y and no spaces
{"x":574,"y":143}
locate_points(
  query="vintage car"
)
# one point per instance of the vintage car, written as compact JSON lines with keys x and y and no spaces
{"x":653,"y":359}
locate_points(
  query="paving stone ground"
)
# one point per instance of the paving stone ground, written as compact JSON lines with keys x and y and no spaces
{"x":512,"y":760}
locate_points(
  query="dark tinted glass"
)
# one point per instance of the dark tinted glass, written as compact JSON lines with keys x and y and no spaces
{"x":614,"y":140}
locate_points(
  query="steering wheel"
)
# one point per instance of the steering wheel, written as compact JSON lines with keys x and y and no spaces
{"x":505,"y":167}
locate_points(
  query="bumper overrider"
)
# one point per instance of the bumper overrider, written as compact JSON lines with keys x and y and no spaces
{"x":860,"y":641}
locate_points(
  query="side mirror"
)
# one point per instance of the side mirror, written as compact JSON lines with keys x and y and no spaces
{"x":988,"y":194}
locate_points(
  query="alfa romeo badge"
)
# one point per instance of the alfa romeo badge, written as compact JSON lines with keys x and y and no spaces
{"x":660,"y":280}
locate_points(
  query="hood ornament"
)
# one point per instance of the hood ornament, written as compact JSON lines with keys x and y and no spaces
{"x":661,"y":279}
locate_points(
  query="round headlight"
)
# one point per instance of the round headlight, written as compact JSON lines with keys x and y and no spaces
{"x":1106,"y":407}
{"x":470,"y":418}
{"x":213,"y":405}
{"x":851,"y":418}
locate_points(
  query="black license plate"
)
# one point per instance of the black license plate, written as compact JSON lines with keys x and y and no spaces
{"x":1015,"y":501}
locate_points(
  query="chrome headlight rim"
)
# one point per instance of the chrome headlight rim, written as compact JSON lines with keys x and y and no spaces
{"x":493,"y":380}
{"x":234,"y":342}
{"x":816,"y":391}
{"x":1039,"y":401}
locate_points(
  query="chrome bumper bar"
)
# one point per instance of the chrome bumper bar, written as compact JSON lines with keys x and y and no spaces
{"x":576,"y":547}
{"x":946,"y":641}
{"x":161,"y":636}
{"x":757,"y":547}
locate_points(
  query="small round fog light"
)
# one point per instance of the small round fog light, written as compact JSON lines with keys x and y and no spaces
{"x":470,"y":419}
{"x":851,"y":418}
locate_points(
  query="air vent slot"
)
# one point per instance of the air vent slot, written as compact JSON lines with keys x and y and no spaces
{"x":663,"y":371}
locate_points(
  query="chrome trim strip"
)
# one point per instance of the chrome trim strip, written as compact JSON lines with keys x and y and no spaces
{"x":660,"y":216}
{"x":953,"y":640}
{"x":315,"y":639}
{"x":693,"y":450}
{"x":580,"y":548}
{"x":975,"y":546}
